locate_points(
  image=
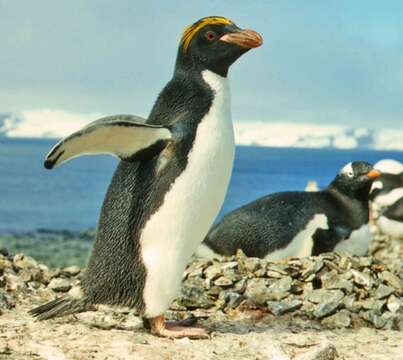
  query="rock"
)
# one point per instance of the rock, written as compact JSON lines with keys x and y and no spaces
{"x":336,"y":281}
{"x":362,"y":279}
{"x":341,"y":319}
{"x":378,"y":321}
{"x":383,"y":291}
{"x":324,"y":308}
{"x":22,"y":261}
{"x":281,"y":307}
{"x":322,"y":295}
{"x":257,"y":290}
{"x":365,"y":261}
{"x":280,"y":289}
{"x":59,"y":285}
{"x":223,"y":281}
{"x":71,"y":270}
{"x":312,"y":268}
{"x":392,"y":280}
{"x":233,"y":299}
{"x":4,"y":302}
{"x":371,"y":304}
{"x":325,"y":351}
{"x":213,"y":271}
{"x":25,"y":275}
{"x":250,"y":265}
{"x":394,"y":304}
{"x":195,"y":297}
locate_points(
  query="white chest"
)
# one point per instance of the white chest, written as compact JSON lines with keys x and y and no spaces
{"x":302,"y":244}
{"x":173,"y":233}
{"x":357,"y":243}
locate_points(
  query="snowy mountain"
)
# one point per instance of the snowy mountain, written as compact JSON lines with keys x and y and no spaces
{"x":57,"y":123}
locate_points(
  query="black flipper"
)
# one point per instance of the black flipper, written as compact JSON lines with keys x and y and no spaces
{"x":124,"y":136}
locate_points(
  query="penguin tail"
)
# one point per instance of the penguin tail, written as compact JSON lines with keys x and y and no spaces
{"x":59,"y":307}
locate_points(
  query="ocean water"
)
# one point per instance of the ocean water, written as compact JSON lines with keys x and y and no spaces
{"x":70,"y":197}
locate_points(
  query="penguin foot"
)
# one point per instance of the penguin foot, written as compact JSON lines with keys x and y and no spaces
{"x":176,"y":329}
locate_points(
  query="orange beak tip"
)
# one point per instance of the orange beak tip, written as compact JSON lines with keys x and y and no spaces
{"x":374,"y":173}
{"x":244,"y":38}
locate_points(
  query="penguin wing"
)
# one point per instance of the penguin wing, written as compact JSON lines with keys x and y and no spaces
{"x":125,"y":136}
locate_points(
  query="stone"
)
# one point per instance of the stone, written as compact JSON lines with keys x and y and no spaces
{"x":325,"y":308}
{"x":281,"y":307}
{"x":365,"y":261}
{"x":322,"y":295}
{"x":371,"y":304}
{"x":325,"y":351}
{"x":59,"y":285}
{"x":312,"y":268}
{"x":257,"y":290}
{"x":4,"y":302}
{"x":223,"y":282}
{"x":195,"y":297}
{"x":393,"y":304}
{"x":341,"y":319}
{"x":71,"y":270}
{"x":383,"y":291}
{"x":335,"y":281}
{"x":378,"y":321}
{"x":213,"y":272}
{"x":362,"y":279}
{"x":22,"y":261}
{"x":233,"y":299}
{"x":392,"y":280}
{"x":251,"y":264}
{"x":280,"y":288}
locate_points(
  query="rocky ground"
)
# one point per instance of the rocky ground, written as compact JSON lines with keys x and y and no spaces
{"x":329,"y":307}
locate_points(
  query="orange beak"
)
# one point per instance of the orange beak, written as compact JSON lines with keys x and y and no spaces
{"x":244,"y":38}
{"x":374,"y":173}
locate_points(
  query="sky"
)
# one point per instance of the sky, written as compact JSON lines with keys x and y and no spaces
{"x":323,"y":61}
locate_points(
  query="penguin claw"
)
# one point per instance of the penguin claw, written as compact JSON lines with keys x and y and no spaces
{"x":176,"y":329}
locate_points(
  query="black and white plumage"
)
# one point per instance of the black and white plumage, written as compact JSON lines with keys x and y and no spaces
{"x":388,"y":188}
{"x":170,"y":184}
{"x":297,"y":224}
{"x":390,"y":221}
{"x":387,"y":197}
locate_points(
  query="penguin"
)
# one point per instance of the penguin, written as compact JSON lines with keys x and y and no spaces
{"x":390,"y":222}
{"x":299,"y":224}
{"x":169,"y":185}
{"x":388,"y":188}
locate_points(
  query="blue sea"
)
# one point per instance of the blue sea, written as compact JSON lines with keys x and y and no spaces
{"x":70,"y":197}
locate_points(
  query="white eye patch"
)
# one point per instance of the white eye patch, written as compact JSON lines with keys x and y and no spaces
{"x":347,"y":170}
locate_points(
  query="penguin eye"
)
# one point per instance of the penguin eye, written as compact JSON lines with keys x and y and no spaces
{"x":210,"y":35}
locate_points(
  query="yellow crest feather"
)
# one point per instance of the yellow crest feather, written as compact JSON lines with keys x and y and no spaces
{"x":193,"y":29}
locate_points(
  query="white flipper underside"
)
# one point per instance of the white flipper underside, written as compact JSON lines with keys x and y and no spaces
{"x":120,"y":135}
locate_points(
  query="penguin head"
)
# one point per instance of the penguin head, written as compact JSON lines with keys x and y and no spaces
{"x":355,"y":179}
{"x":214,"y":43}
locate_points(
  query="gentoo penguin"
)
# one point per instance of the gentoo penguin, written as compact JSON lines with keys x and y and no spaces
{"x":300,"y":224}
{"x":390,"y":221}
{"x":170,"y":182}
{"x":388,"y":188}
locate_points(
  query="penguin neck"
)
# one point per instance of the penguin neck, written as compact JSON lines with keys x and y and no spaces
{"x":186,"y":64}
{"x":354,"y":199}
